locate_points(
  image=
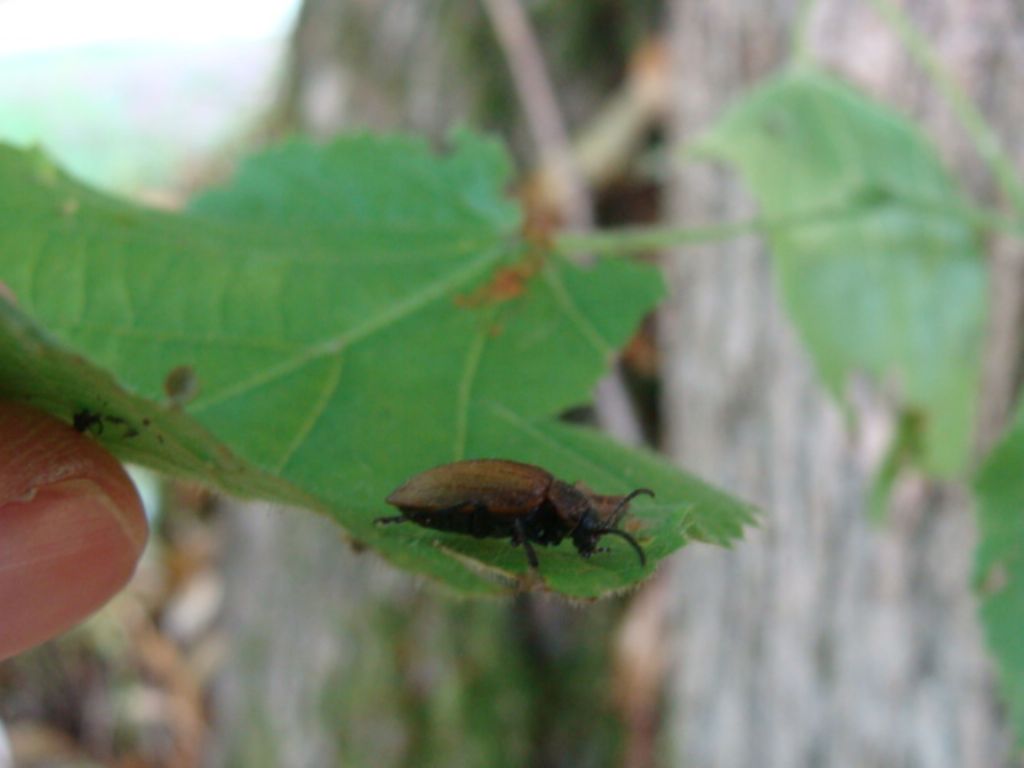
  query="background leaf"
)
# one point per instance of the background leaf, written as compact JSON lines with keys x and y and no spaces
{"x":999,"y":562}
{"x":878,"y":267}
{"x":336,"y":320}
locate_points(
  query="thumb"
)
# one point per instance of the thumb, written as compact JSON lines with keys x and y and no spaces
{"x":71,"y":527}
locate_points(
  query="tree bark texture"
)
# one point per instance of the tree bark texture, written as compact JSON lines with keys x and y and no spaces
{"x":378,"y":65}
{"x":823,"y":640}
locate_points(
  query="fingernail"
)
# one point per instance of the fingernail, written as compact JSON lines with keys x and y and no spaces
{"x":63,"y":553}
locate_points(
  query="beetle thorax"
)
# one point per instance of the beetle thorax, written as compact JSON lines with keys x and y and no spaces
{"x":575,"y":510}
{"x":570,"y":503}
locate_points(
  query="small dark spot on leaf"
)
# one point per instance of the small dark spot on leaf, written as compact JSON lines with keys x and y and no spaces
{"x":774,"y":125}
{"x":181,"y":385}
{"x":85,"y":420}
{"x":873,"y":195}
{"x":357,"y":546}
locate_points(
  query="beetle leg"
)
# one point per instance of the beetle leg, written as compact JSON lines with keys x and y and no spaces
{"x":391,"y":520}
{"x":519,"y":537}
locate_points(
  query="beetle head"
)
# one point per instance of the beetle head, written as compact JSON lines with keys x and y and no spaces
{"x":600,"y":519}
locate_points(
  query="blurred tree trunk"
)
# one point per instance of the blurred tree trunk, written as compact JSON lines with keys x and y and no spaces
{"x":380,"y":65}
{"x":823,"y":640}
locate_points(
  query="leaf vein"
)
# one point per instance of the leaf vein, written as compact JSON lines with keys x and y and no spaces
{"x":397,"y":312}
{"x":575,"y":316}
{"x":316,"y":412}
{"x":529,"y":427}
{"x":465,"y":392}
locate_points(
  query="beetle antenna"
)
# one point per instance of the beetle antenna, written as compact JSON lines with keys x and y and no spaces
{"x":627,"y":537}
{"x":621,"y":506}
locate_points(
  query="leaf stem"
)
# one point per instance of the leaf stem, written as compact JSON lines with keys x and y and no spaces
{"x":627,"y":241}
{"x":986,"y":142}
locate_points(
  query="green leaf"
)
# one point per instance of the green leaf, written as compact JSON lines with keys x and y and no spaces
{"x":999,"y":562}
{"x":879,"y":267}
{"x":336,"y":320}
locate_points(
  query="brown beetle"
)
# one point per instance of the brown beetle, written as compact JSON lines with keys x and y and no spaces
{"x":496,"y":498}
